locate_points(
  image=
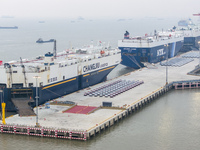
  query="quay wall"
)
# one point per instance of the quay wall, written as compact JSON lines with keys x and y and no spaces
{"x":186,"y":84}
{"x":98,"y":128}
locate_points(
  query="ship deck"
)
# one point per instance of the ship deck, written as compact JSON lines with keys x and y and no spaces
{"x":57,"y":116}
{"x":70,"y":56}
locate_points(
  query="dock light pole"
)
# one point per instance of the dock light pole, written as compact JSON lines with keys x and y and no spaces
{"x":166,"y":64}
{"x":36,"y":77}
{"x":1,"y":91}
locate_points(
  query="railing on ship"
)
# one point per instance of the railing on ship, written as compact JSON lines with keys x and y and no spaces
{"x":148,"y":40}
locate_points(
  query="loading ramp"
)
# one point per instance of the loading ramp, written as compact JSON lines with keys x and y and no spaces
{"x":23,"y":107}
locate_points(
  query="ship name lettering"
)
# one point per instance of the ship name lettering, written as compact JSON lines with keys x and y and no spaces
{"x":91,"y":67}
{"x":104,"y":65}
{"x":52,"y":79}
{"x":126,"y":48}
{"x":160,"y":52}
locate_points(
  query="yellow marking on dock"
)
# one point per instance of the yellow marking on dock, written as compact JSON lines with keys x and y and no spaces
{"x":68,"y":109}
{"x":59,"y":83}
{"x":110,"y":117}
{"x":119,"y":108}
{"x":82,"y":109}
{"x":86,"y":75}
{"x":105,"y":120}
{"x":61,"y":104}
{"x":144,"y":97}
{"x":106,"y":69}
{"x":93,"y":110}
{"x":9,"y":116}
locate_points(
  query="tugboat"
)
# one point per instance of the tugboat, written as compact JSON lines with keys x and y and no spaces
{"x":41,"y":41}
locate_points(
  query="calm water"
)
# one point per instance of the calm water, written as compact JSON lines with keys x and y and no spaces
{"x":22,"y":42}
{"x":171,"y":122}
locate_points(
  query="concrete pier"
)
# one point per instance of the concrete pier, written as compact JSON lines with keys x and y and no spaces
{"x":190,"y":84}
{"x":56,"y":122}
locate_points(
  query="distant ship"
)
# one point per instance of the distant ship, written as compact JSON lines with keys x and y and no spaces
{"x":191,"y":34}
{"x":41,"y":21}
{"x":14,"y":27}
{"x":41,"y":41}
{"x":7,"y":17}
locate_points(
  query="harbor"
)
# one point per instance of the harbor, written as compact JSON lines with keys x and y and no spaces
{"x":58,"y":94}
{"x":57,"y":121}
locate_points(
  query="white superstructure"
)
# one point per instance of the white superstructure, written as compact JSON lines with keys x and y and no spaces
{"x":148,"y":41}
{"x":66,"y":65}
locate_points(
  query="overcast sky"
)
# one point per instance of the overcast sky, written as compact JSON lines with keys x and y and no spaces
{"x":93,"y":9}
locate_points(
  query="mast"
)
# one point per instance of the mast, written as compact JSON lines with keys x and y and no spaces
{"x":23,"y":71}
{"x":7,"y":66}
{"x":54,"y":50}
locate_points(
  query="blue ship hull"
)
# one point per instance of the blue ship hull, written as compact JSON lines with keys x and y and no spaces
{"x":135,"y":57}
{"x":191,"y":42}
{"x":57,"y":89}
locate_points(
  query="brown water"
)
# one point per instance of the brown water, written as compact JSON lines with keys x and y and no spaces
{"x":171,"y":122}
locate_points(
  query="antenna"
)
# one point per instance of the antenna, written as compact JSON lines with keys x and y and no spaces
{"x":54,"y":50}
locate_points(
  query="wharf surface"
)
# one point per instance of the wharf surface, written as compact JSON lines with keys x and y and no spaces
{"x":54,"y":123}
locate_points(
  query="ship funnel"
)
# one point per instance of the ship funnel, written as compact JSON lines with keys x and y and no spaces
{"x":126,"y":35}
{"x":49,"y":59}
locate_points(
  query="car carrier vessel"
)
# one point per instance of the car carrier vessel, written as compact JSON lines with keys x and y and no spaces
{"x":57,"y":74}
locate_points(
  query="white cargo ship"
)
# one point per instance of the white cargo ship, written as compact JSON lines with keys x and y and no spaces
{"x":56,"y":74}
